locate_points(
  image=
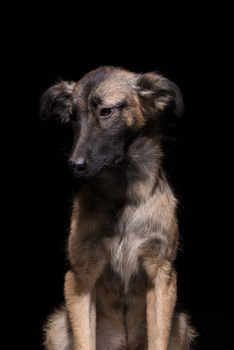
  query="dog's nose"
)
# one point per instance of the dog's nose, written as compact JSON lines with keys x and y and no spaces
{"x":77,"y":165}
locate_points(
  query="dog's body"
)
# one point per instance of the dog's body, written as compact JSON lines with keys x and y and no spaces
{"x":121,"y":291}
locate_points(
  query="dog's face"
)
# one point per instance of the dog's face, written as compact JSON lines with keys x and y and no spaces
{"x":106,"y":108}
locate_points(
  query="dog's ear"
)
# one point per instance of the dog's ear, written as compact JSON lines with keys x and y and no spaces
{"x":57,"y":101}
{"x":158,"y":94}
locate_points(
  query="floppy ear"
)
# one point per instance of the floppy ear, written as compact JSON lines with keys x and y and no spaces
{"x":57,"y":101}
{"x":158,"y":94}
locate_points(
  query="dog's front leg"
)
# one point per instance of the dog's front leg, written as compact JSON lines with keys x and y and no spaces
{"x":161,"y":299}
{"x":80,"y":305}
{"x":80,"y":296}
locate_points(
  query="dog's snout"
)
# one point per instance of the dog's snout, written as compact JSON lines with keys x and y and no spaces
{"x":77,"y":165}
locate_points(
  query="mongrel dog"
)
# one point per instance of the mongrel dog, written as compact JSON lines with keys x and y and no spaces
{"x":120,"y":293}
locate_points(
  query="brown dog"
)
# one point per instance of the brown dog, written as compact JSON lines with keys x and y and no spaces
{"x":120,"y":293}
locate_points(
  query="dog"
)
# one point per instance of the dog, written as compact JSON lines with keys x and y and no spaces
{"x":120,"y":291}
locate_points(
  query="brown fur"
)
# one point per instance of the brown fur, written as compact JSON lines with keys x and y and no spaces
{"x":121,"y":291}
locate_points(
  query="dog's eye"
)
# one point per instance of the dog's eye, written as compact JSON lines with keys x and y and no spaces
{"x":105,"y":112}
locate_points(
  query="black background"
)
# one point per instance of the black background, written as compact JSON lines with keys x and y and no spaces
{"x":42,"y":191}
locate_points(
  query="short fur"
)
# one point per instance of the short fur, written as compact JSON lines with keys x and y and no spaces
{"x":120,"y":293}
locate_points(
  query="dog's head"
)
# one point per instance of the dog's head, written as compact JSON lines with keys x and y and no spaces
{"x":107,"y":108}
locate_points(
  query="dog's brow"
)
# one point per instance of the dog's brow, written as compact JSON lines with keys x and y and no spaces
{"x":116,"y":104}
{"x":96,"y":101}
{"x":114,"y":100}
{"x":121,"y":104}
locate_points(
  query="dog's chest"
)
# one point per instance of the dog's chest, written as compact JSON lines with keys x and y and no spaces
{"x":124,"y":251}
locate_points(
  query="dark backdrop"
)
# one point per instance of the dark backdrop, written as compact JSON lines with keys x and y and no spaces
{"x":42,"y":193}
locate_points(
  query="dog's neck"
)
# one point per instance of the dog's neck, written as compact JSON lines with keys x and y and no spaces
{"x":136,"y":178}
{"x":144,"y":167}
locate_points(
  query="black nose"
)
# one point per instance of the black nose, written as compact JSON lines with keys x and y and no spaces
{"x":77,"y":165}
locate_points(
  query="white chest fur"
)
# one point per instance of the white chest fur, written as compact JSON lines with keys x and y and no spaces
{"x":124,"y":255}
